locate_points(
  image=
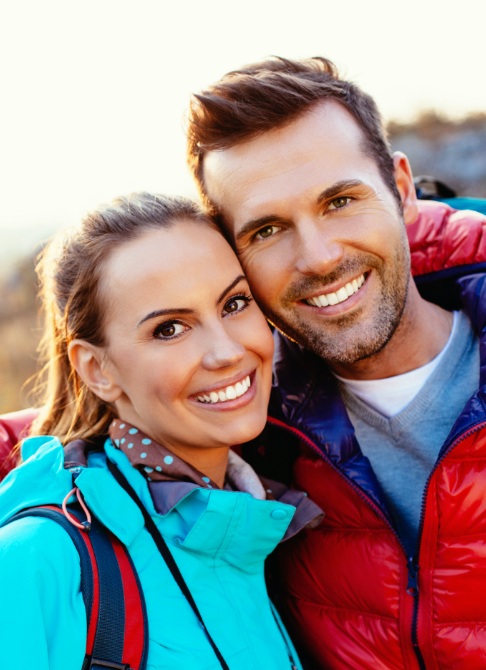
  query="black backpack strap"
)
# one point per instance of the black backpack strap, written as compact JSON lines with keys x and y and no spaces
{"x":115,"y":608}
{"x":166,"y":555}
{"x":429,"y":188}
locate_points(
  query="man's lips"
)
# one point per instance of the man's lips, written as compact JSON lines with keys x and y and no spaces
{"x":341,"y":295}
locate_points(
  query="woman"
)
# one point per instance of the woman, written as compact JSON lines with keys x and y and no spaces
{"x":154,"y":340}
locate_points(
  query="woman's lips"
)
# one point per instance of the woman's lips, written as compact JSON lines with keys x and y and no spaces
{"x":226,"y":393}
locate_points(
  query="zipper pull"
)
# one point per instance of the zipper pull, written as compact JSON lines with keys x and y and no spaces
{"x":412,"y":583}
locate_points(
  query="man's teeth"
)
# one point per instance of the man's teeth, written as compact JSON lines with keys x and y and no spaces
{"x":343,"y":294}
{"x":228,"y":393}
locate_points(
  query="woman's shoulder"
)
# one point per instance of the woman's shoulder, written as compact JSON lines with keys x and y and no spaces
{"x":41,"y":479}
{"x":40,"y":587}
{"x":38,"y":562}
{"x":30,"y":540}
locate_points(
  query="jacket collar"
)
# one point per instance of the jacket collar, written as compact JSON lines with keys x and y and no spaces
{"x":290,"y":511}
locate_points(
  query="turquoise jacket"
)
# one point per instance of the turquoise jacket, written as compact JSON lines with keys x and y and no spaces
{"x":219,"y":539}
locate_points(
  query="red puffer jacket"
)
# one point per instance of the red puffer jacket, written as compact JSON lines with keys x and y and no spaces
{"x":351,"y":596}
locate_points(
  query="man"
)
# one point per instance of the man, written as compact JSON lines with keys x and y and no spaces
{"x":383,"y":388}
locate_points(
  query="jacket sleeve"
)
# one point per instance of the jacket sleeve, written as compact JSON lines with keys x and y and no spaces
{"x":13,"y":427}
{"x":42,"y":613}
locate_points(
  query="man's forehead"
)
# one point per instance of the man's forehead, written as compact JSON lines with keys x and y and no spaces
{"x":251,"y":173}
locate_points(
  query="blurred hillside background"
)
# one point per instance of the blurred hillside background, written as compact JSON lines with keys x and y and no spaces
{"x":94,"y":96}
{"x":452,"y":151}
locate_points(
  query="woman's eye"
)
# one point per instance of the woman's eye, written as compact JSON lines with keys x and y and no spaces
{"x":236,"y":304}
{"x":267,"y":232}
{"x":169,"y":330}
{"x":339,"y":203}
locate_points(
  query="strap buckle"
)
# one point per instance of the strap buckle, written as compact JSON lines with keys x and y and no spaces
{"x":100,"y":664}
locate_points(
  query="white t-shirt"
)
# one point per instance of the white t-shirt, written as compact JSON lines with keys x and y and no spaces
{"x":392,"y":394}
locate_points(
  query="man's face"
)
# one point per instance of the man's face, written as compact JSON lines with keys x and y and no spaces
{"x":319,"y":235}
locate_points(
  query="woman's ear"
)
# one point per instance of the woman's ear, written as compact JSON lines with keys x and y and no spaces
{"x":406,"y":187}
{"x":90,"y":364}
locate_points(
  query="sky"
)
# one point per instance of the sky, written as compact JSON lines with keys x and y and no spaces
{"x":94,"y":92}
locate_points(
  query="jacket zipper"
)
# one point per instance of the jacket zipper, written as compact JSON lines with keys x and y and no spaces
{"x":413,"y":591}
{"x":412,"y":563}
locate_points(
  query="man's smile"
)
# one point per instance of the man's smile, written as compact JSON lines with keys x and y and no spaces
{"x":335,"y":297}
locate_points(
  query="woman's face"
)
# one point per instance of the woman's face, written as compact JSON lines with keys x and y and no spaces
{"x":188,"y":350}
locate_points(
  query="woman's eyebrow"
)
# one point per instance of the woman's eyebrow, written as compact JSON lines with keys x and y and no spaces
{"x":228,"y":288}
{"x":184,"y":310}
{"x":165,"y":312}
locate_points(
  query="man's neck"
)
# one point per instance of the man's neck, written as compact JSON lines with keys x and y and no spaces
{"x":423,"y":332}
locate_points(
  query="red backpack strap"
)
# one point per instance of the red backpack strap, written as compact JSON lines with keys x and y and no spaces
{"x":117,"y":623}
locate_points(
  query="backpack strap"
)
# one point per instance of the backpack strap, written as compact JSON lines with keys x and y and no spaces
{"x":166,"y":555}
{"x":115,"y":607}
{"x":430,"y":188}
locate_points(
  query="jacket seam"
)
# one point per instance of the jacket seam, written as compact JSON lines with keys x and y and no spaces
{"x":461,"y":622}
{"x":445,"y":536}
{"x":345,"y":530}
{"x":351,"y":610}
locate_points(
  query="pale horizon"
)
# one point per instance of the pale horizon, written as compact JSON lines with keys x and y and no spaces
{"x":94,"y":94}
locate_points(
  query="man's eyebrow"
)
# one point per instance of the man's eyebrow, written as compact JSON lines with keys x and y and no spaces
{"x":165,"y":312}
{"x":254,"y":224}
{"x":272,"y":219}
{"x":337,"y":189}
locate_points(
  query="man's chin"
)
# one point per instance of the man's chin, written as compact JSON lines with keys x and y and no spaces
{"x":344,"y":347}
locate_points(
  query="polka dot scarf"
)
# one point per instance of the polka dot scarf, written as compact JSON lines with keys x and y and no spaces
{"x":155,"y":462}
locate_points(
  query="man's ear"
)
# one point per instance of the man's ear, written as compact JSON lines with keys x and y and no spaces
{"x":406,"y":187}
{"x":90,"y":364}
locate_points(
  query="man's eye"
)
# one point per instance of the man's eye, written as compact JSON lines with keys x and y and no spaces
{"x":237,"y":304}
{"x":266,"y":232}
{"x":169,"y":330}
{"x":339,"y":203}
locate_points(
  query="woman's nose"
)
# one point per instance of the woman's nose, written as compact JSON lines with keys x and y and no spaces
{"x":222,"y":351}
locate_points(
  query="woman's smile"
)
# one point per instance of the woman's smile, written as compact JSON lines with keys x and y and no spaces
{"x":226,"y":393}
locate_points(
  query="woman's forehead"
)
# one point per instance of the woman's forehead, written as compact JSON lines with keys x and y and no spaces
{"x":179,"y":263}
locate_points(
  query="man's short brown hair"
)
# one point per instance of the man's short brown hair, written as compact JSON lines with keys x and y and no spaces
{"x":269,"y":94}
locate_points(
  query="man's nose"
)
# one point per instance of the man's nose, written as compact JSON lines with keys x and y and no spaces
{"x":222,"y":350}
{"x":317,"y":248}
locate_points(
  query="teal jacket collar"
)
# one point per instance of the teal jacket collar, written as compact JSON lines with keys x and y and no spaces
{"x":200,"y":519}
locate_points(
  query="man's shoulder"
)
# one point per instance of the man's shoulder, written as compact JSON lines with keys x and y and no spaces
{"x":448,"y":248}
{"x":294,"y":365}
{"x":443,"y":237}
{"x":297,"y":373}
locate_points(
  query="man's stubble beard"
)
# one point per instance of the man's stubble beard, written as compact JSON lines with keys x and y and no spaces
{"x":351,"y":337}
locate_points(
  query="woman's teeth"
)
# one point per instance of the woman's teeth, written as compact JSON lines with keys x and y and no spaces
{"x":229,"y":393}
{"x":339,"y":296}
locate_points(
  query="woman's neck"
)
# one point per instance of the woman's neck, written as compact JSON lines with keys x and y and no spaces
{"x":211,"y":462}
